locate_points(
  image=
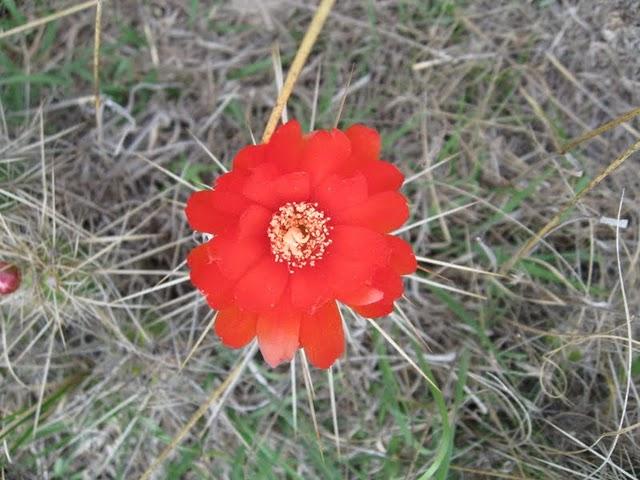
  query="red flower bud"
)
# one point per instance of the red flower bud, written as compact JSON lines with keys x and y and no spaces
{"x":9,"y":278}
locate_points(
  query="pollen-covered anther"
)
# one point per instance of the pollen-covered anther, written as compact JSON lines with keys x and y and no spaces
{"x":299,"y":234}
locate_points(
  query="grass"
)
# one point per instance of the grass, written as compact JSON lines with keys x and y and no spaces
{"x":106,"y":354}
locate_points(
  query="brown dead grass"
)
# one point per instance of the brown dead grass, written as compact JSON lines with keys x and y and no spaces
{"x":494,"y":87}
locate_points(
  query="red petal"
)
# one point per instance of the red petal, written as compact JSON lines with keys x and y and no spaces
{"x":232,"y":182}
{"x":201,"y":255}
{"x":336,"y":193}
{"x":254,"y":222}
{"x":358,"y":243}
{"x":285,"y":146}
{"x":382,"y":176}
{"x":352,"y":258}
{"x":262,"y":287}
{"x":258,"y":186}
{"x":235,"y":327}
{"x":390,"y":282}
{"x":213,"y":211}
{"x":345,"y":275}
{"x":325,"y":153}
{"x":310,"y":289}
{"x":387,"y":280}
{"x":403,"y":260}
{"x":236,"y":255}
{"x":382,"y":212}
{"x":365,"y":146}
{"x":207,"y":277}
{"x":231,"y":202}
{"x":292,"y":187}
{"x":365,"y":295}
{"x":249,"y":157}
{"x":278,"y":333}
{"x":375,"y":310}
{"x":365,"y":141}
{"x":271,"y":189}
{"x":322,"y":337}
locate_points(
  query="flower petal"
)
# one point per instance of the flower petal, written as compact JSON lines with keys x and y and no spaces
{"x":258,"y":186}
{"x":322,"y":337}
{"x":214,"y":211}
{"x":236,"y":255}
{"x":235,"y":327}
{"x":207,"y":277}
{"x":285,"y":146}
{"x":324,"y":153}
{"x":365,"y":146}
{"x":261,"y":287}
{"x":249,"y":157}
{"x":201,"y":255}
{"x":272,"y":189}
{"x":365,"y":141}
{"x":254,"y":222}
{"x":381,"y":212}
{"x":358,"y":243}
{"x":388,"y":281}
{"x":364,"y":295}
{"x":292,"y":187}
{"x":310,"y":289}
{"x":278,"y":333}
{"x":353,"y":257}
{"x":346,"y":275}
{"x":336,"y":193}
{"x":382,"y":176}
{"x":375,"y":310}
{"x":232,"y":181}
{"x":403,"y":260}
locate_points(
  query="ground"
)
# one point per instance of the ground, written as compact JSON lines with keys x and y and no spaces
{"x":107,"y":349}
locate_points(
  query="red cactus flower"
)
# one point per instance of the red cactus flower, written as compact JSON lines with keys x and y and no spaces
{"x":300,"y":222}
{"x":9,"y":278}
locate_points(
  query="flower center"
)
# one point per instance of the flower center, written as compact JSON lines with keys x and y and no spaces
{"x":299,"y":234}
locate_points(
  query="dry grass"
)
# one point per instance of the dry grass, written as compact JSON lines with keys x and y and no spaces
{"x":105,"y":351}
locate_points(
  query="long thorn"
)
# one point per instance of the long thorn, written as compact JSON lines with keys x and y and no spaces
{"x":343,"y":98}
{"x":404,"y":354}
{"x":199,"y":341}
{"x":457,"y":267}
{"x":334,"y":410}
